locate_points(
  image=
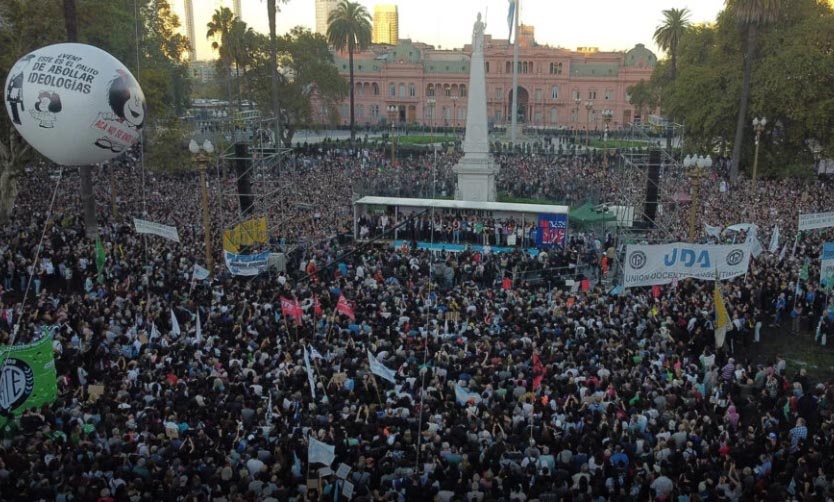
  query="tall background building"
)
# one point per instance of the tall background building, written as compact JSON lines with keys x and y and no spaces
{"x":190,"y":30}
{"x":323,"y":9}
{"x":190,"y":25}
{"x":386,"y":25}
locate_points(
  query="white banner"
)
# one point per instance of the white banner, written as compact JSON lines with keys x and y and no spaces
{"x":812,"y":221}
{"x":827,"y":263}
{"x":661,"y":264}
{"x":149,"y":227}
{"x":246,"y":264}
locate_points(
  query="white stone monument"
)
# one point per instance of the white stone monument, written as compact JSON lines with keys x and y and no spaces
{"x":476,"y":171}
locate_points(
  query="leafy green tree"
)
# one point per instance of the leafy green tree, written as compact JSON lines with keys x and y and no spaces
{"x":794,"y":87}
{"x":309,"y":78}
{"x":271,"y":11}
{"x":168,"y":146}
{"x":644,"y":97}
{"x":26,"y":25}
{"x":110,"y":25}
{"x":668,"y":35}
{"x":751,"y":14}
{"x":349,"y":27}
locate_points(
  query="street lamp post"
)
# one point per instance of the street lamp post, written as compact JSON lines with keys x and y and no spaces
{"x":454,"y":115}
{"x":431,"y":102}
{"x":576,"y":102}
{"x":589,"y":106}
{"x":696,"y":171}
{"x":393,"y":145}
{"x":201,"y":156}
{"x":758,"y":126}
{"x":607,"y":115}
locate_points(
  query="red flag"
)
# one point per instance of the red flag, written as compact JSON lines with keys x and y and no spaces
{"x":290,"y":308}
{"x":316,"y":307}
{"x":507,"y":283}
{"x":344,"y":307}
{"x":656,"y":291}
{"x":538,"y":371}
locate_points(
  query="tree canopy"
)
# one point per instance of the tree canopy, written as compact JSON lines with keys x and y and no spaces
{"x":309,"y":82}
{"x":791,"y":83}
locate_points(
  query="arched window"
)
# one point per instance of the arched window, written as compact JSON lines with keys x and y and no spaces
{"x":358,"y":91}
{"x":463,"y":90}
{"x":430,"y":90}
{"x":554,"y":116}
{"x":412,"y":90}
{"x":402,"y":90}
{"x":375,"y":88}
{"x":447,"y":90}
{"x":455,"y":90}
{"x":486,"y":66}
{"x":554,"y":92}
{"x":509,"y":67}
{"x":392,"y":90}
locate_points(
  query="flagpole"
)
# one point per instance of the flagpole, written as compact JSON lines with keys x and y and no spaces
{"x":514,"y":110}
{"x":330,"y":325}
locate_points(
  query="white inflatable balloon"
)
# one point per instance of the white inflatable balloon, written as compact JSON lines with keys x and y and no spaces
{"x":75,"y":103}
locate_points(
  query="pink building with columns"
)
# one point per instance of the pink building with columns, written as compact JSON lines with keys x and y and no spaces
{"x":557,"y":88}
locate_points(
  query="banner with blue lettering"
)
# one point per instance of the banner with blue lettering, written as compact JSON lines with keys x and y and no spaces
{"x":827,"y":264}
{"x":661,"y":264}
{"x":551,"y":230}
{"x":246,"y":264}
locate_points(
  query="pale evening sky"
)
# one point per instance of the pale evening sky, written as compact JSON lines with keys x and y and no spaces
{"x":607,"y":24}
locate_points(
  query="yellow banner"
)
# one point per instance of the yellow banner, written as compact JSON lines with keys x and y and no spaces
{"x":247,"y":233}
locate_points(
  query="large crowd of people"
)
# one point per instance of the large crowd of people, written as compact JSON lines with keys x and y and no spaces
{"x":502,"y":390}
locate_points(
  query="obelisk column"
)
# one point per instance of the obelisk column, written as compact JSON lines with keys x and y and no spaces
{"x":476,"y":171}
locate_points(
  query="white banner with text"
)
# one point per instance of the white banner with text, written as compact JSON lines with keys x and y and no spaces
{"x":647,"y":265}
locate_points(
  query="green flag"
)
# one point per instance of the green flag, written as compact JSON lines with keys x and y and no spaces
{"x":100,"y":259}
{"x":803,"y":274}
{"x":27,"y":377}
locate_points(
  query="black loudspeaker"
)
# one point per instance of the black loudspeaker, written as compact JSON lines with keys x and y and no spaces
{"x":244,"y":185}
{"x":652,"y":186}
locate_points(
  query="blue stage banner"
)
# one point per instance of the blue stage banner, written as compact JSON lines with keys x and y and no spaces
{"x":552,"y":229}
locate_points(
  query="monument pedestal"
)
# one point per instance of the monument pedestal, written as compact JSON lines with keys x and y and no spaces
{"x":476,"y":178}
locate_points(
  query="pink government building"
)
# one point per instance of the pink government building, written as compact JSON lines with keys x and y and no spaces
{"x":414,"y":83}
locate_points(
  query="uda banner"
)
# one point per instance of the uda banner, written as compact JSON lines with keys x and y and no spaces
{"x":552,"y":230}
{"x":661,"y":264}
{"x":27,"y":377}
{"x":246,"y":264}
{"x":827,"y":263}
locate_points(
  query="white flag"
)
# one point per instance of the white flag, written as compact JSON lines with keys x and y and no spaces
{"x":774,"y":240}
{"x":511,"y":19}
{"x":175,"y":324}
{"x":463,"y":396}
{"x":712,"y":231}
{"x":310,"y":378}
{"x":783,"y":252}
{"x":315,"y":354}
{"x":753,"y":240}
{"x":379,"y":369}
{"x":321,"y":453}
{"x":154,"y":331}
{"x":198,"y":336}
{"x":200,"y":273}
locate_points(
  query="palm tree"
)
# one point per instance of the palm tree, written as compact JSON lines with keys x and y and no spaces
{"x":271,"y":10}
{"x":750,"y":14}
{"x":88,"y":200}
{"x":220,"y":29}
{"x":668,"y":35}
{"x":349,"y":27}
